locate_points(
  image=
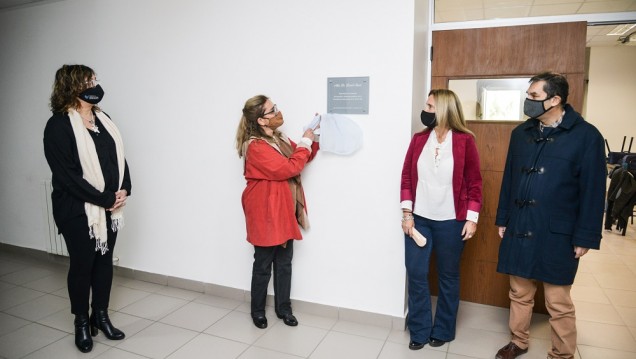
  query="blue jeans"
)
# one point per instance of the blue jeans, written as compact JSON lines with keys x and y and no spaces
{"x":444,"y":238}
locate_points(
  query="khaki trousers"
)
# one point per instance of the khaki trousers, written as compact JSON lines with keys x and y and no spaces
{"x":561,"y":310}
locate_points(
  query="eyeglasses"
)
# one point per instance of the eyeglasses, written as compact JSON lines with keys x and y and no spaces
{"x":273,"y":111}
{"x":92,"y":83}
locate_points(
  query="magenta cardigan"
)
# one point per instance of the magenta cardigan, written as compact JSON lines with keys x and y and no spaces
{"x":466,"y":175}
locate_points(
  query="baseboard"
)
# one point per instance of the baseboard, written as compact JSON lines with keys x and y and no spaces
{"x":351,"y":315}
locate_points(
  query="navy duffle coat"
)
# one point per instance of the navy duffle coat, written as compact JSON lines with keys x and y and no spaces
{"x":552,"y":198}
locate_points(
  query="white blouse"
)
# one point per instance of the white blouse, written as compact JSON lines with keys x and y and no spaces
{"x":434,"y":192}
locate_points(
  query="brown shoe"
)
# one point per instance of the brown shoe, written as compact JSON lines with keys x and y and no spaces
{"x":510,"y":351}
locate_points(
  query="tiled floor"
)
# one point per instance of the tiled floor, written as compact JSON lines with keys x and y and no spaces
{"x":165,"y":322}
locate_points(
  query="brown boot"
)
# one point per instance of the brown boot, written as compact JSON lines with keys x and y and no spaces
{"x":510,"y":351}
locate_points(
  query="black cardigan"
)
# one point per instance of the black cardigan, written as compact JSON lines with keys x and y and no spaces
{"x":70,"y":189}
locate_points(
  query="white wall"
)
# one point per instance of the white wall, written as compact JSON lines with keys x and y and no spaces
{"x":176,"y":75}
{"x":611,"y":93}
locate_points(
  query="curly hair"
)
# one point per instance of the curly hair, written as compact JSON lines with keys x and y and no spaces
{"x":70,"y":80}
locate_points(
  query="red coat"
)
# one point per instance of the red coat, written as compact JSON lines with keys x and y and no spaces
{"x":267,"y":200}
{"x":466,"y":176}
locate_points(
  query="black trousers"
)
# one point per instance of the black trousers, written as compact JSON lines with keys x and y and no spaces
{"x":609,"y":221}
{"x":281,"y":258}
{"x":89,"y":269}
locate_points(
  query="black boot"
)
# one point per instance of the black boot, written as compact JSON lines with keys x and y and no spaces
{"x":83,"y":340}
{"x":100,"y":320}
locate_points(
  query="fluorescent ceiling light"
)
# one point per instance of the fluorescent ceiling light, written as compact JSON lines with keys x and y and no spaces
{"x":621,"y":29}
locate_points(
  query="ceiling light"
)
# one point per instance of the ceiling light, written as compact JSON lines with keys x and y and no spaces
{"x":621,"y":29}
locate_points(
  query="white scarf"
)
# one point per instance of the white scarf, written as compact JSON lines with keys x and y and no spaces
{"x":92,"y":173}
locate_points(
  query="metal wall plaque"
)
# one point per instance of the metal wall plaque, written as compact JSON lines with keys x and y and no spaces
{"x":349,"y":95}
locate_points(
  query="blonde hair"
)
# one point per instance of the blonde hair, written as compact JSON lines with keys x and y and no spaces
{"x":448,"y":111}
{"x":248,"y":125}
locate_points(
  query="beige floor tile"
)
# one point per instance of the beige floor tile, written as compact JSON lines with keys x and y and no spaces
{"x":40,"y":307}
{"x":585,"y":279}
{"x":238,"y":326}
{"x":596,"y":312}
{"x":623,"y":298}
{"x":589,"y":294}
{"x":139,"y":284}
{"x":605,"y":336}
{"x":615,"y":268}
{"x":631,"y":263}
{"x":157,"y":341}
{"x":9,"y":266}
{"x":9,"y":323}
{"x":625,"y":282}
{"x":401,"y":351}
{"x":62,"y":320}
{"x":486,"y":317}
{"x":300,"y":340}
{"x":154,"y":306}
{"x":204,"y":346}
{"x":311,"y":320}
{"x":16,"y":296}
{"x":594,"y":352}
{"x":48,"y":284}
{"x":179,"y":293}
{"x":628,"y":250}
{"x":128,"y":324}
{"x":457,"y":356}
{"x":402,"y":337}
{"x":349,"y":346}
{"x":115,"y":353}
{"x":260,"y":353}
{"x":28,"y":339}
{"x":195,"y":316}
{"x":362,"y":330}
{"x":63,"y":293}
{"x":477,"y":343}
{"x":65,"y":348}
{"x":600,"y":256}
{"x":25,"y":275}
{"x":628,"y":314}
{"x":121,"y":297}
{"x":6,"y":285}
{"x":218,"y":301}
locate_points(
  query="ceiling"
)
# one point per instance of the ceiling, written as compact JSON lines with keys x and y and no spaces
{"x":470,"y":10}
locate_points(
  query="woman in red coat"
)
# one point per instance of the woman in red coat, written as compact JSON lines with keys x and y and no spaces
{"x":273,"y":201}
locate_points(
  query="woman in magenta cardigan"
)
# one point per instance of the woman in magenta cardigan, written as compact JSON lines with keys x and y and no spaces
{"x":440,"y":198}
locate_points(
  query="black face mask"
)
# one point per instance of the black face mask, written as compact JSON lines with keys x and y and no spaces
{"x":428,"y":119}
{"x":534,"y":108}
{"x":92,"y":95}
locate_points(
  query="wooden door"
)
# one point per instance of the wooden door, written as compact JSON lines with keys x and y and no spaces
{"x":518,"y":51}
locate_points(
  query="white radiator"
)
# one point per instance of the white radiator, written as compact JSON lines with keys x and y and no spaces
{"x":55,"y":242}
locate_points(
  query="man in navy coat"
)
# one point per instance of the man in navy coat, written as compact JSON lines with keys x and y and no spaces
{"x":550,"y":211}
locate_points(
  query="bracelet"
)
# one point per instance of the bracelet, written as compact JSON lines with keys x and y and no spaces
{"x":407,"y":218}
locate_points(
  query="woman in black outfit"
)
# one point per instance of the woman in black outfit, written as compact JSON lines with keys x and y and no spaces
{"x":91,"y":184}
